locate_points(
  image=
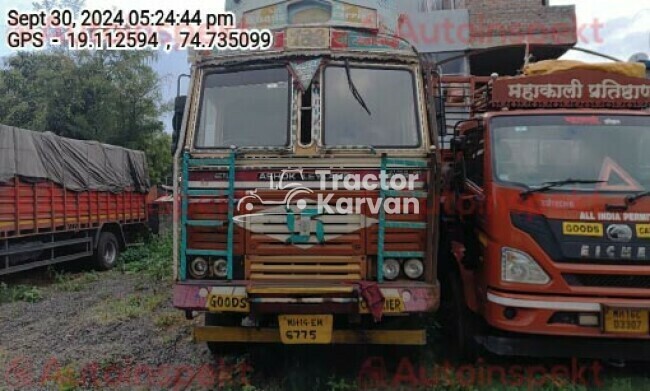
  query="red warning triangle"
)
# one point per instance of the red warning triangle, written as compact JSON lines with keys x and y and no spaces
{"x":611,"y":167}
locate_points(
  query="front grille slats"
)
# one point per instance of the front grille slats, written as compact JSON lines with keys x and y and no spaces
{"x":608,"y":281}
{"x":331,"y":268}
{"x":346,"y":268}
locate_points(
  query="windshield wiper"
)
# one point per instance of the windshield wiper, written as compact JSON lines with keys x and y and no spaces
{"x":353,"y":89}
{"x":634,"y":198}
{"x":550,"y":185}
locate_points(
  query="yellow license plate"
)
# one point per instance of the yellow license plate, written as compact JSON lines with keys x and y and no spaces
{"x":228,"y":303}
{"x":582,"y":229}
{"x":626,"y":321}
{"x":392,"y":305}
{"x":306,"y":329}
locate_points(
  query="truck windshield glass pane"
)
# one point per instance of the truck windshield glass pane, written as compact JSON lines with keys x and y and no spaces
{"x":534,"y":150}
{"x":390,"y":98}
{"x":245,"y":109}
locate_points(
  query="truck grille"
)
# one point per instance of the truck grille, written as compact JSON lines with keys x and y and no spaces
{"x":343,"y":235}
{"x":608,"y":281}
{"x":324,"y":268}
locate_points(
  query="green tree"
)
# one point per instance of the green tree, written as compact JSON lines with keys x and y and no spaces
{"x":109,"y":96}
{"x":158,"y":157}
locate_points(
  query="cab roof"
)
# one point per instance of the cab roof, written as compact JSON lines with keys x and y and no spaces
{"x":380,"y":16}
{"x":323,"y":28}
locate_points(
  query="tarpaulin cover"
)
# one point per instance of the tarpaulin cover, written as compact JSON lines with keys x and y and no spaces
{"x":632,"y":69}
{"x":74,"y":164}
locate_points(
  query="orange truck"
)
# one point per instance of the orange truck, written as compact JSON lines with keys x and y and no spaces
{"x":545,"y":247}
{"x":63,"y":200}
{"x":308,"y":183}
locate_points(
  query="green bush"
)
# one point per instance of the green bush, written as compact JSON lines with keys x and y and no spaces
{"x":11,"y":293}
{"x":153,"y":259}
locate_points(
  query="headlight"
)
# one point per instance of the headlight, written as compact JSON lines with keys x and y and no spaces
{"x":517,"y":266}
{"x":220,"y":268}
{"x":391,"y":269}
{"x":199,"y":268}
{"x":413,"y":268}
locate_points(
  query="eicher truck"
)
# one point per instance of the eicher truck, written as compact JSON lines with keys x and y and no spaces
{"x":307,"y":182}
{"x":545,"y":247}
{"x":64,"y":199}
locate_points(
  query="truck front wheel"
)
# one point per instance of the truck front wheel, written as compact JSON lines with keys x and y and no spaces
{"x":107,"y":252}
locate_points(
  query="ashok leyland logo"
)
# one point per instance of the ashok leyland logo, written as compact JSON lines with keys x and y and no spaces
{"x":293,"y":190}
{"x":296,"y":206}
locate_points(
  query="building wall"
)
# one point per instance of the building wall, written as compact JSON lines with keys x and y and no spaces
{"x":506,"y":22}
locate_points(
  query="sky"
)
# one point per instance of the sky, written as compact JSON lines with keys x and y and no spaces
{"x":625,"y":31}
{"x":618,"y":28}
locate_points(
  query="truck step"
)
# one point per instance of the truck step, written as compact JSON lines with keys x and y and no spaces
{"x":390,"y":163}
{"x":403,"y":254}
{"x":207,"y":253}
{"x":405,"y":193}
{"x":205,"y":223}
{"x":206,"y":192}
{"x":208,"y":162}
{"x":406,"y":224}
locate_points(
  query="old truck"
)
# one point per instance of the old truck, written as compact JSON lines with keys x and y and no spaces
{"x":546,"y":213}
{"x":307,"y":183}
{"x":64,"y":199}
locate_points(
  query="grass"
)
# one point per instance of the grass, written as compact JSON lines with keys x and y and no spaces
{"x":12,"y":293}
{"x":168,"y":319}
{"x":67,"y":282}
{"x":153,"y":259}
{"x":130,"y":307}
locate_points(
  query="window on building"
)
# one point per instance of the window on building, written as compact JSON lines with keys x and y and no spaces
{"x":457,"y":66}
{"x":436,"y":5}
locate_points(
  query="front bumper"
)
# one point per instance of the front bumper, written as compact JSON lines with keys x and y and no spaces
{"x":305,"y":298}
{"x":270,"y":335}
{"x":543,"y":314}
{"x":566,"y":347}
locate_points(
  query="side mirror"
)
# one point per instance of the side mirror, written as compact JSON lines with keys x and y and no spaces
{"x":177,"y":120}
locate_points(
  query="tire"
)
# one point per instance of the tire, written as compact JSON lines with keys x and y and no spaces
{"x":107,"y":252}
{"x":221,"y":349}
{"x":460,"y":324}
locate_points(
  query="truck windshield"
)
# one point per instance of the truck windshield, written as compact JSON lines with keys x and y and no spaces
{"x":245,"y":109}
{"x":391,"y":119}
{"x":607,"y":153}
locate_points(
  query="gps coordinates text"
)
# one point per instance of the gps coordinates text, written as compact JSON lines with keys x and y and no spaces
{"x":136,"y":29}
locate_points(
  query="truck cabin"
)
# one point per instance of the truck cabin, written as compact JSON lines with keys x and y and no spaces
{"x":284,"y":155}
{"x":546,"y":204}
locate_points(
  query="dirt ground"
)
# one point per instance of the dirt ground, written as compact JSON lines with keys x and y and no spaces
{"x":117,"y":330}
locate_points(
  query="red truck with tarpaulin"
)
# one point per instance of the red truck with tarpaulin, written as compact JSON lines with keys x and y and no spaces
{"x":546,"y":212}
{"x":64,"y":199}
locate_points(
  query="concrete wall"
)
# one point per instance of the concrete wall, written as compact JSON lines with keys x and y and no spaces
{"x":502,"y":23}
{"x":435,"y":32}
{"x":505,"y":22}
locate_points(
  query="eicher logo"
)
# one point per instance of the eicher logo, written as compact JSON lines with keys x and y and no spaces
{"x":619,"y":233}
